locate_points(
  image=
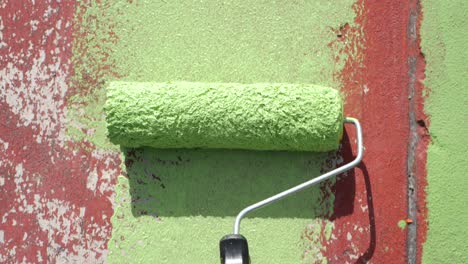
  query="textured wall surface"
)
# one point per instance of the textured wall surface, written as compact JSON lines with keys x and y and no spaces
{"x":56,"y":192}
{"x":69,"y":195}
{"x":447,"y":105}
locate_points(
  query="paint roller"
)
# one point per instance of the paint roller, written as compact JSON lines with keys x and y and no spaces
{"x":263,"y":116}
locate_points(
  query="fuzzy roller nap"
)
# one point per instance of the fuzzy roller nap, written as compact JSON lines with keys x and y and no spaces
{"x":224,"y":115}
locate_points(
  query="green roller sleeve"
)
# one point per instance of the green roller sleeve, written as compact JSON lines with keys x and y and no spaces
{"x":264,"y":116}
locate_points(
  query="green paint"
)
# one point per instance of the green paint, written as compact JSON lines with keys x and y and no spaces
{"x":192,"y":172}
{"x":446,"y":53}
{"x":191,"y":191}
{"x":217,"y":42}
{"x":402,"y":224}
{"x":228,"y":116}
{"x":92,"y":44}
{"x":230,"y":41}
{"x":194,"y":238}
{"x":87,"y":119}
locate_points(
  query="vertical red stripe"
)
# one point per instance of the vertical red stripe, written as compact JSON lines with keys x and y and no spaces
{"x":372,"y":200}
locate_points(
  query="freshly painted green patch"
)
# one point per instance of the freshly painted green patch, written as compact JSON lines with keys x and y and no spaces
{"x":402,"y":224}
{"x":93,"y":40}
{"x":263,"y":116}
{"x":194,"y":238}
{"x":174,"y":197}
{"x":87,"y":119}
{"x":445,"y":47}
{"x":229,"y":41}
{"x":174,"y":207}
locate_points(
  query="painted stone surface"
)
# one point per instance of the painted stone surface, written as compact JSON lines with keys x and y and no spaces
{"x":447,"y":104}
{"x":61,"y":180}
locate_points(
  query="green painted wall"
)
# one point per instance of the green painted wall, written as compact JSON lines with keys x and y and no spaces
{"x":444,"y":39}
{"x":173,"y":206}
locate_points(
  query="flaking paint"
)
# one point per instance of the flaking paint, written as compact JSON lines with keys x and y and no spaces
{"x":376,"y":80}
{"x":55,"y":192}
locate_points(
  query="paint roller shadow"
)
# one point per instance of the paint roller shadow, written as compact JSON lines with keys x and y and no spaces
{"x":345,"y":189}
{"x":345,"y":186}
{"x":341,"y":208}
{"x":210,"y":182}
{"x":367,"y":255}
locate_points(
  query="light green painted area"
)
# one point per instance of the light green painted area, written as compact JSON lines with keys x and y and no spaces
{"x":93,"y":39}
{"x":229,"y":41}
{"x":446,"y":51}
{"x":262,"y":116}
{"x":402,"y":224}
{"x":87,"y":119}
{"x":175,"y":205}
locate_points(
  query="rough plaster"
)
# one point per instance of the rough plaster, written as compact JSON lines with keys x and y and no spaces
{"x":55,"y":193}
{"x":446,"y":80}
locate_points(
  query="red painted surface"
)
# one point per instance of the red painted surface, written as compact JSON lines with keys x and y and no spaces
{"x":54,"y":194}
{"x":376,"y":88}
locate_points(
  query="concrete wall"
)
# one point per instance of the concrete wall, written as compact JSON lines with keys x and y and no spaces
{"x":68,"y":195}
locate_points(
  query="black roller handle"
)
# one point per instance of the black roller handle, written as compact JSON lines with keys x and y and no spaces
{"x":234,"y":249}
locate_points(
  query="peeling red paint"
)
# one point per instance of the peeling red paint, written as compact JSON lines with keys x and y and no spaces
{"x":97,"y":37}
{"x":375,"y":85}
{"x":56,"y":194}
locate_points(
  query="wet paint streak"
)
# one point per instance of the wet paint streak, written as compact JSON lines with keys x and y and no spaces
{"x":56,"y":194}
{"x":374,"y":81}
